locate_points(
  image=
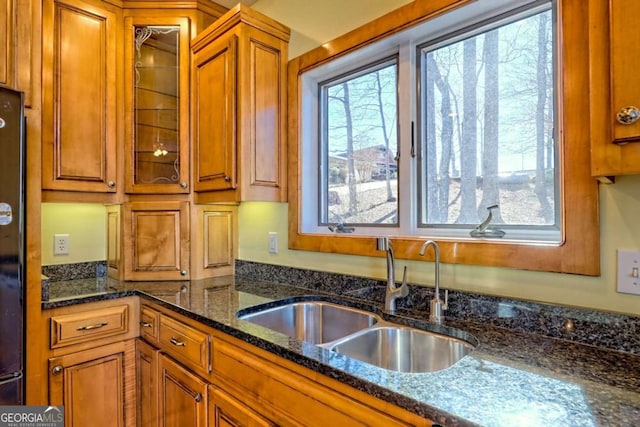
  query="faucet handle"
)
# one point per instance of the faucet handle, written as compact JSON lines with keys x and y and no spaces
{"x":404,"y":288}
{"x":445,"y":303}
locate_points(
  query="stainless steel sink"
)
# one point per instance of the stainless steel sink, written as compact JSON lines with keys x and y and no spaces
{"x":364,"y":336}
{"x":315,"y":322}
{"x":404,"y":349}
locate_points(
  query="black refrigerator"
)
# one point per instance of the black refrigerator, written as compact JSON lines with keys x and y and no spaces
{"x":12,"y":246}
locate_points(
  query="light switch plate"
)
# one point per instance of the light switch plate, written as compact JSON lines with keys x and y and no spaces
{"x":273,"y":242}
{"x":628,"y":271}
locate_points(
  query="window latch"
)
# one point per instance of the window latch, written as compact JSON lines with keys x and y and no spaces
{"x":341,"y":228}
{"x":483,"y":230}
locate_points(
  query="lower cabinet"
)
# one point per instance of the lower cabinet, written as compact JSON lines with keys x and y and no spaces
{"x":244,"y":386}
{"x":226,"y":411}
{"x":182,"y":396}
{"x":95,"y":385}
{"x":147,"y":384}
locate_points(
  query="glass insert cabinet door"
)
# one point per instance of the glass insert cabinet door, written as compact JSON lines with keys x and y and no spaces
{"x":157,"y":102}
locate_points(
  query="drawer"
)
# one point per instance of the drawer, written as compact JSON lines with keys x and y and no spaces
{"x":149,"y":324}
{"x":184,"y":343}
{"x":69,"y":329}
{"x":287,"y":395}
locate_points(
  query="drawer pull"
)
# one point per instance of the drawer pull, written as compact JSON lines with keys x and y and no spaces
{"x":90,"y":327}
{"x":177,"y":342}
{"x":146,"y":324}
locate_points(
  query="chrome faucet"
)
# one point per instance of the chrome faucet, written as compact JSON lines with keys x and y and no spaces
{"x":437,"y":306}
{"x":393,"y":292}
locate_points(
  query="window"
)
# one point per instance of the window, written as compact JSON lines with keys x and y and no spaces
{"x":359,"y":145}
{"x":487,"y":128}
{"x":414,"y":126}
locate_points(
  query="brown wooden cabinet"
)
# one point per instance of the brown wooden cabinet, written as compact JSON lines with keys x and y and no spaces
{"x":16,"y":45}
{"x":156,"y":240}
{"x":214,"y":240}
{"x":157,"y":104}
{"x":246,"y":386}
{"x":151,"y":241}
{"x":7,"y":42}
{"x":238,"y":100}
{"x":79,"y":88}
{"x":182,"y":396}
{"x":615,"y":98}
{"x":226,"y":411}
{"x":93,"y":385}
{"x":147,"y":384}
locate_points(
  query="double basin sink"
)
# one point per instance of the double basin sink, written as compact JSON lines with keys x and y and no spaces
{"x":362,"y":335}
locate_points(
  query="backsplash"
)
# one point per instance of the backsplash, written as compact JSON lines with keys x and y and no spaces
{"x":610,"y":330}
{"x":75,"y":271}
{"x":81,"y":270}
{"x":602,"y":329}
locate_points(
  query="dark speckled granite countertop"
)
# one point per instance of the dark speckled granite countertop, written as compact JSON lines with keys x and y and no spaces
{"x":511,"y":379}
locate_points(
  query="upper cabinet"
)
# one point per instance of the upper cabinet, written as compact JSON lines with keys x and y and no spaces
{"x":6,"y":43}
{"x":79,"y":89}
{"x":157,"y":105}
{"x":115,"y":94}
{"x":16,"y":45}
{"x":238,"y":99}
{"x":615,"y":98}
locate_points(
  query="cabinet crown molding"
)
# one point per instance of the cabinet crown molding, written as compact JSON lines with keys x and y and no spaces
{"x":240,"y":14}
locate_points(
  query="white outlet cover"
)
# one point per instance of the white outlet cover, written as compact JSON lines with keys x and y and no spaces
{"x":61,"y":244}
{"x":628,"y":271}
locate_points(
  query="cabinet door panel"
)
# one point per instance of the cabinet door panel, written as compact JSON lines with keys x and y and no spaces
{"x":6,"y":42}
{"x":147,"y":369}
{"x":266,"y":108}
{"x":157,"y":236}
{"x":214,"y":132}
{"x":213,"y":237}
{"x":157,"y":104}
{"x":625,"y":61}
{"x":183,"y":396}
{"x":93,"y":385}
{"x":225,"y":411}
{"x":79,"y":97}
{"x":114,"y":241}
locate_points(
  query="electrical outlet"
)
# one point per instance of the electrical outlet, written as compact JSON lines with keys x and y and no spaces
{"x":628,"y":271}
{"x":273,"y":242}
{"x":61,"y":244}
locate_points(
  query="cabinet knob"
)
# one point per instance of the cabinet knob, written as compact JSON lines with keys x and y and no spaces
{"x":198,"y":397}
{"x":227,"y":178}
{"x":628,"y":115}
{"x":57,"y":370}
{"x":111,"y":184}
{"x":183,"y":272}
{"x":183,"y":185}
